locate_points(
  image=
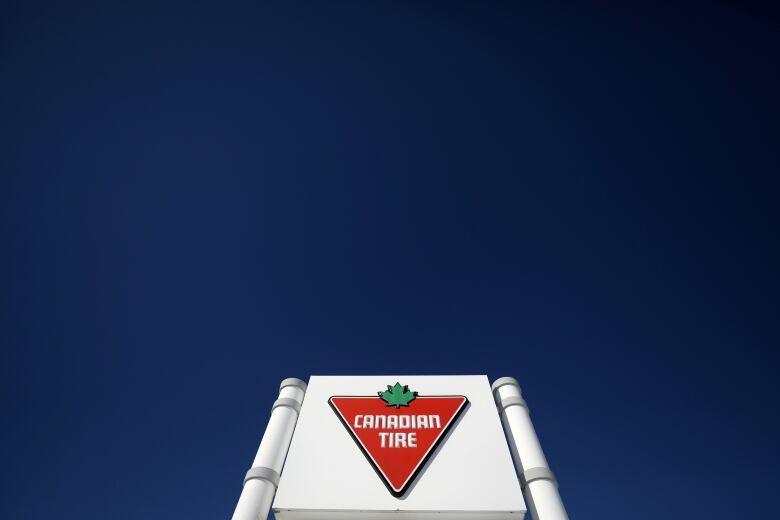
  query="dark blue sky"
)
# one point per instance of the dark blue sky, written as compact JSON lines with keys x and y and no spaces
{"x":198,"y":200}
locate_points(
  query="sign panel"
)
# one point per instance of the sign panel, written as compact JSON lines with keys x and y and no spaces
{"x":365,"y":447}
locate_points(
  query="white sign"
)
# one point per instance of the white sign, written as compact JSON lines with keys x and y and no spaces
{"x":394,"y":447}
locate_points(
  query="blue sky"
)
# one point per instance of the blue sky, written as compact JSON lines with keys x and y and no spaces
{"x":199,"y":200}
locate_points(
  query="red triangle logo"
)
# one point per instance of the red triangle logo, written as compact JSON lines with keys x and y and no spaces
{"x":398,"y":440}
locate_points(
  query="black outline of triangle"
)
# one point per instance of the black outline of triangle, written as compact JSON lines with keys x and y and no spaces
{"x":424,"y":460}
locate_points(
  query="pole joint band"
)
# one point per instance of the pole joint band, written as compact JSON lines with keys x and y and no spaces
{"x":501,"y":381}
{"x":293,"y":381}
{"x":511,"y":401}
{"x":531,"y":474}
{"x":286,"y":401}
{"x":262,"y":473}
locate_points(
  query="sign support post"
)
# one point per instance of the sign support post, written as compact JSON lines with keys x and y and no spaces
{"x":262,"y":479}
{"x":538,"y":483}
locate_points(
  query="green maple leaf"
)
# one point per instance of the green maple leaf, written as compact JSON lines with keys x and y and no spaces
{"x":397,"y":395}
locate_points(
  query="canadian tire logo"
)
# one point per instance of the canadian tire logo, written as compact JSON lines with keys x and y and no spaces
{"x":397,"y":429}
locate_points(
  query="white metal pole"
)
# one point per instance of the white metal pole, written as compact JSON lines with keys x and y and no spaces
{"x":539,"y":485}
{"x":261,"y":480}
